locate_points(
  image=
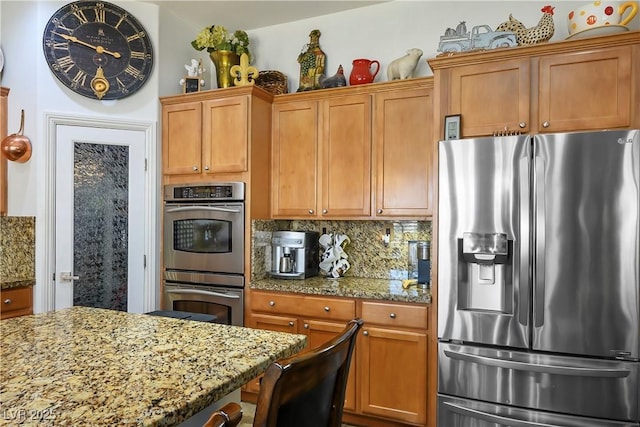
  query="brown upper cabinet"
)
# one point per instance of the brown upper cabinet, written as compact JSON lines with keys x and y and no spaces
{"x":404,"y":142}
{"x":554,"y":87}
{"x":321,"y":160}
{"x":337,"y":153}
{"x":207,"y":133}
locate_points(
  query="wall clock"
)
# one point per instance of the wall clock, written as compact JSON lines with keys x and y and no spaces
{"x":97,"y":49}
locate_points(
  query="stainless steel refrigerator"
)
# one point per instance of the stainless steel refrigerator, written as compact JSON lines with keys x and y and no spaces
{"x":539,"y":280}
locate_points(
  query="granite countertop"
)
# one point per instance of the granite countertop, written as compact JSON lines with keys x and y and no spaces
{"x":352,"y":287}
{"x":15,"y":282}
{"x":87,"y":366}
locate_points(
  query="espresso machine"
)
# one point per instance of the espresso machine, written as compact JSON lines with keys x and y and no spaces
{"x":294,"y":254}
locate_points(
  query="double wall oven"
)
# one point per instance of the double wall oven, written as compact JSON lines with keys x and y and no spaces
{"x":204,"y":249}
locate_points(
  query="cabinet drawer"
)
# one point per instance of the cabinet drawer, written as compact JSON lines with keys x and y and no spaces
{"x":401,"y":315}
{"x":15,"y":302}
{"x":317,"y":307}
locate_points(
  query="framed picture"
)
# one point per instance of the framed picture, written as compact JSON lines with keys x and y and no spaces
{"x":191,"y":84}
{"x":452,"y":126}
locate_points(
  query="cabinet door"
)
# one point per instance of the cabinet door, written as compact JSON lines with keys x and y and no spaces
{"x":584,"y":91}
{"x":225,"y":135}
{"x":295,"y":152}
{"x":404,"y":143}
{"x":491,"y":97}
{"x":319,"y":333}
{"x":393,"y":374}
{"x":270,"y":323}
{"x":182,"y":138}
{"x":345,"y":162}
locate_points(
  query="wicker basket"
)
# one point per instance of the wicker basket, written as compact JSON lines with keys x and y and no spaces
{"x":272,"y":81}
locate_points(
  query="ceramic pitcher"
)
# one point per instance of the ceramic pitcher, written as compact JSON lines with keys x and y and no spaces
{"x":361,"y":72}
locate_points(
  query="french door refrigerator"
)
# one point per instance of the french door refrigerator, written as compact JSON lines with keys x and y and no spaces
{"x":538,"y":280}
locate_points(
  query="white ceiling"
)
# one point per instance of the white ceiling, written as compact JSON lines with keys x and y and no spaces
{"x":249,"y":15}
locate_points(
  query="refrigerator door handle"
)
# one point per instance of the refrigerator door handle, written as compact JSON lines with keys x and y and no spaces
{"x":523,"y":294}
{"x":538,"y":275}
{"x":534,"y":367}
{"x":492,"y":418}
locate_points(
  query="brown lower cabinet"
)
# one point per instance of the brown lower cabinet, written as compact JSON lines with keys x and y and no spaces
{"x":387,"y":383}
{"x":16,"y":302}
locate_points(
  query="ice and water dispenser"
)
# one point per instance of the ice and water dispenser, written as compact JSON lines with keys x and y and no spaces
{"x":484,"y":272}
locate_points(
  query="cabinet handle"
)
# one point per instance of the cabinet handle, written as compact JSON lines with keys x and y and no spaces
{"x":291,"y":323}
{"x":272,"y":303}
{"x":379,"y":211}
{"x":365,"y":333}
{"x":195,"y":168}
{"x":324,"y":211}
{"x":7,"y":301}
{"x":310,"y":211}
{"x":306,"y":326}
{"x":326,"y":309}
{"x":522,"y":125}
{"x":545,"y":124}
{"x":206,"y":168}
{"x":392,"y":315}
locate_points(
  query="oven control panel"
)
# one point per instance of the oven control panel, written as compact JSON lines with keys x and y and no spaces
{"x":218,"y":191}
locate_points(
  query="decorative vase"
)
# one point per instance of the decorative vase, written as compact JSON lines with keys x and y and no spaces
{"x":361,"y":73}
{"x":224,"y":60}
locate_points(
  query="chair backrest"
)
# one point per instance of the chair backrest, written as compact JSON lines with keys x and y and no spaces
{"x":308,"y":389}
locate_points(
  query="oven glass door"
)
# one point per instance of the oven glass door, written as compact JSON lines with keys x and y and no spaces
{"x":204,"y":237}
{"x":224,"y":303}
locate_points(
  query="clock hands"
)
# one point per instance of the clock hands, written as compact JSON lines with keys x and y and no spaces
{"x":98,"y":49}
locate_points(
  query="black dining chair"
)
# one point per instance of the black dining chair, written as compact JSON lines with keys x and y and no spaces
{"x":307,"y":389}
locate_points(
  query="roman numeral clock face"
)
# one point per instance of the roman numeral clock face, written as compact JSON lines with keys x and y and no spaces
{"x":97,"y":49}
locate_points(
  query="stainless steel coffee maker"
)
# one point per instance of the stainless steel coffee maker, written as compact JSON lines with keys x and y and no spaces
{"x":294,"y":254}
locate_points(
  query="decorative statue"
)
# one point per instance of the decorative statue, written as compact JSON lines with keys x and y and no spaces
{"x":311,"y":63}
{"x":403,"y":68}
{"x":194,"y":80}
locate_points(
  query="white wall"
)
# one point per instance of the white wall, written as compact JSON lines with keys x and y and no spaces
{"x":383,"y":32}
{"x":34,"y":89}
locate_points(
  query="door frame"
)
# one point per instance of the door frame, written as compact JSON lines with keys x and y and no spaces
{"x":44,"y":297}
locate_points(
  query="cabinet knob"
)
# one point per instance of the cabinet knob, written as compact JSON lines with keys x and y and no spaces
{"x":206,"y":168}
{"x":291,"y":323}
{"x":306,"y":326}
{"x":327,"y":309}
{"x":365,"y":333}
{"x":324,"y":211}
{"x":379,"y":211}
{"x":7,"y":301}
{"x":310,"y":211}
{"x":545,"y":125}
{"x":392,"y":315}
{"x":522,"y":125}
{"x":195,"y":168}
{"x":272,"y":303}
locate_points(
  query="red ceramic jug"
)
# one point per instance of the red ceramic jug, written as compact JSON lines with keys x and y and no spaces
{"x":361,"y":72}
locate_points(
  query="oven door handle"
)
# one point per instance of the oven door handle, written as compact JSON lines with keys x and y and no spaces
{"x":201,"y":208}
{"x":199,"y":292}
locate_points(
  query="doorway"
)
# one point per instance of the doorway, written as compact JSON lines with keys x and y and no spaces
{"x":101,"y":216}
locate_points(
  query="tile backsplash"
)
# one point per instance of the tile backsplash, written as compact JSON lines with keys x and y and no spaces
{"x":368,"y":255}
{"x":17,"y":247}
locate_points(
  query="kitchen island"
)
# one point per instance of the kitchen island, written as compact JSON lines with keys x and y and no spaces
{"x":87,"y":366}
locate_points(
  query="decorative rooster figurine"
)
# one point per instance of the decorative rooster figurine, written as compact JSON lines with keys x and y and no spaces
{"x":337,"y":80}
{"x":527,"y":36}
